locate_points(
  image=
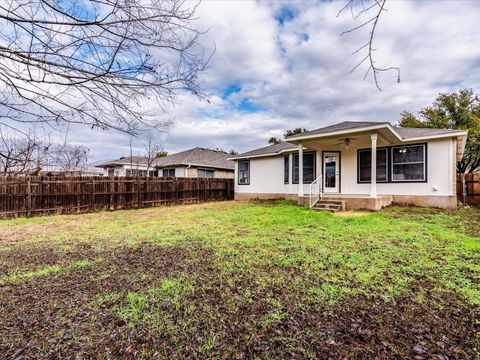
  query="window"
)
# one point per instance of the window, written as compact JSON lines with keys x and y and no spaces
{"x":408,"y":163}
{"x":168,"y":173}
{"x":286,"y":170}
{"x":365,"y":165}
{"x":308,"y":168}
{"x":128,"y":173}
{"x":111,"y":172}
{"x":244,"y":172}
{"x":153,"y":173}
{"x":203,"y":173}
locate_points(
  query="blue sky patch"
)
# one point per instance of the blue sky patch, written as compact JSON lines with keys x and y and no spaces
{"x":246,"y":105}
{"x":286,"y":13}
{"x":230,"y":89}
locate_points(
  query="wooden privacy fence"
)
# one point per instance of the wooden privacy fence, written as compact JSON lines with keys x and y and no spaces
{"x":31,"y":195}
{"x":468,"y":188}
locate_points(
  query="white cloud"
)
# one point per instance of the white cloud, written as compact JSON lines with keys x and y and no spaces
{"x":298,"y":73}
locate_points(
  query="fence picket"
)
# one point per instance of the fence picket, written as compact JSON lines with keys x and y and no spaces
{"x":468,"y":188}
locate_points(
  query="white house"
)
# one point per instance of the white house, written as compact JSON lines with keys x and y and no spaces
{"x":196,"y":162}
{"x":332,"y":167}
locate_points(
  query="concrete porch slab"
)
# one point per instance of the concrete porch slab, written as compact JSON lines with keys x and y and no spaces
{"x":354,"y":202}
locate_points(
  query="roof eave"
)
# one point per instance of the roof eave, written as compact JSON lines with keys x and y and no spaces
{"x":196,"y":165}
{"x":240,"y":157}
{"x":438,"y":136}
{"x":299,"y":137}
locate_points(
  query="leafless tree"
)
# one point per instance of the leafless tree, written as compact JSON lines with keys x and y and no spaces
{"x":21,"y":154}
{"x":96,"y":62}
{"x":68,"y":158}
{"x":358,"y":9}
{"x":152,"y":149}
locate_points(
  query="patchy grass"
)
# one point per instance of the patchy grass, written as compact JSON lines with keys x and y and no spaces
{"x":233,"y":280}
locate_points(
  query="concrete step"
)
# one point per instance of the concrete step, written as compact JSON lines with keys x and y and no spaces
{"x":329,"y":205}
{"x":328,"y":201}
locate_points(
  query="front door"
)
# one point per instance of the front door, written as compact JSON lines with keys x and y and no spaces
{"x":331,"y":172}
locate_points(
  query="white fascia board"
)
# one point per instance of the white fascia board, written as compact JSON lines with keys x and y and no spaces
{"x":439,"y":136}
{"x":264,"y":155}
{"x":346,"y":131}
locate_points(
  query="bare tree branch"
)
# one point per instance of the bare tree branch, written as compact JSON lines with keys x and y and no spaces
{"x":97,"y":63}
{"x":379,"y":5}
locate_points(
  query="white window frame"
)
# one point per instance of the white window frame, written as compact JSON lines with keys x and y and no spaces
{"x":424,"y":179}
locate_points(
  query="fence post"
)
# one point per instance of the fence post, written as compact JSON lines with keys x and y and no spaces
{"x":29,"y":197}
{"x":141,"y":184}
{"x":464,"y":190}
{"x":78,"y":186}
{"x":205,"y":189}
{"x":92,"y":195}
{"x":176,"y":190}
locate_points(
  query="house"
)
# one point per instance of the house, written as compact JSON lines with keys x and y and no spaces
{"x":196,"y":162}
{"x":333,"y":167}
{"x":127,"y":166}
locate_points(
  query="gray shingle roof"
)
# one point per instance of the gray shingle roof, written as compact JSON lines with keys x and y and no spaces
{"x":198,"y":157}
{"x":271,"y":149}
{"x":345,"y":125}
{"x":126,"y":160}
{"x":407,"y":133}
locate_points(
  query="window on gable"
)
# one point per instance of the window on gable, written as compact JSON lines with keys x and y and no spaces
{"x":244,"y":172}
{"x":286,"y":169}
{"x":365,"y":165}
{"x":409,"y":163}
{"x":308,"y":167}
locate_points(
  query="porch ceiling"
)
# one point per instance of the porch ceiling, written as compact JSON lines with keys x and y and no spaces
{"x":357,"y":139}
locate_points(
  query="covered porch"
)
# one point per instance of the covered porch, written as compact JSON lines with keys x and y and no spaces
{"x":339,"y":179}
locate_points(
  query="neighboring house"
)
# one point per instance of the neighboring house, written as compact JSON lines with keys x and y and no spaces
{"x":127,"y":166}
{"x":196,"y":162}
{"x":332,"y":167}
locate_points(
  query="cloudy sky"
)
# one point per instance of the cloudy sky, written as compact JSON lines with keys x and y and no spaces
{"x":284,"y":65}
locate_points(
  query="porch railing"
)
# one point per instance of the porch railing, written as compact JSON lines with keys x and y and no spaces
{"x":315,"y":191}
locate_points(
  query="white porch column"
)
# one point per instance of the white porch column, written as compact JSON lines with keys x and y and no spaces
{"x":373,"y":183}
{"x":300,"y":170}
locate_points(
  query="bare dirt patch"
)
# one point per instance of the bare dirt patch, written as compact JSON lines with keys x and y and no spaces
{"x":240,"y":314}
{"x":351,"y":213}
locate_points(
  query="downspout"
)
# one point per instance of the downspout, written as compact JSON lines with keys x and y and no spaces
{"x":188,"y":167}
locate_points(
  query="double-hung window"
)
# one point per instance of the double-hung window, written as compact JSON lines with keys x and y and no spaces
{"x":365,"y":165}
{"x":244,"y":172}
{"x":308,"y":168}
{"x":409,"y":163}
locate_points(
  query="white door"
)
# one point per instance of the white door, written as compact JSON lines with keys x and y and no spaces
{"x":331,"y":172}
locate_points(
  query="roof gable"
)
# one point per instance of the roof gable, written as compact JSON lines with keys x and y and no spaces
{"x":345,"y":125}
{"x":198,"y":157}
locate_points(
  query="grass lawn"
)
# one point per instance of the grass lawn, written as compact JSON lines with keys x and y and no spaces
{"x":241,"y":280}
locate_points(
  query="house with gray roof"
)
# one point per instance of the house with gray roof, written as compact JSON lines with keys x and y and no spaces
{"x":196,"y":162}
{"x":355,"y":165}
